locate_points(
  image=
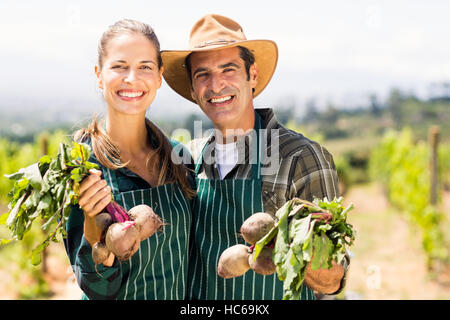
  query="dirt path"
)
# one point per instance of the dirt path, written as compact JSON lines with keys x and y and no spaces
{"x":388,"y":261}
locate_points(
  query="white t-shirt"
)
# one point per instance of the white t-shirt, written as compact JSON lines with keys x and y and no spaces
{"x":226,"y":157}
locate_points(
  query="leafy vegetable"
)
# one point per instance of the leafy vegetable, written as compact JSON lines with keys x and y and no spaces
{"x":46,"y":189}
{"x":306,"y":232}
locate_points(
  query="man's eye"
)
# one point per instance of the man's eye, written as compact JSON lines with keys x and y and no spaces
{"x":200,"y":75}
{"x":228,"y":70}
{"x":117,"y":66}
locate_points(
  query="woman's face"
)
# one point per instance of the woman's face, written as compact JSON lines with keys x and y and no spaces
{"x":130,"y":76}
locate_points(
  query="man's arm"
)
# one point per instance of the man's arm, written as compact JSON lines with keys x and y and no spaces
{"x":315,"y":175}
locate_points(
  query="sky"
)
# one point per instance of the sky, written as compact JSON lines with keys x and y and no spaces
{"x":332,"y":51}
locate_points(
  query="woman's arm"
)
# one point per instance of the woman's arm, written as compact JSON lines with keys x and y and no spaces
{"x":104,"y":280}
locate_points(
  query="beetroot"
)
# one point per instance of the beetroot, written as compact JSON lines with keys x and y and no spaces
{"x":99,"y":252}
{"x":103,"y":220}
{"x":147,"y":221}
{"x":123,"y":239}
{"x":233,"y":262}
{"x":123,"y":231}
{"x":264,"y":263}
{"x":257,"y":226}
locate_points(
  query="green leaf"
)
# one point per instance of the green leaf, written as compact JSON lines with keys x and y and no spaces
{"x":80,"y":152}
{"x":45,"y":202}
{"x":37,"y":252}
{"x":292,"y":266}
{"x":298,"y":230}
{"x":307,"y":247}
{"x":76,"y":175}
{"x":45,"y":159}
{"x":322,"y":251}
{"x":282,"y":241}
{"x":15,"y":211}
{"x":264,"y":241}
{"x":33,"y":175}
{"x":14,"y":176}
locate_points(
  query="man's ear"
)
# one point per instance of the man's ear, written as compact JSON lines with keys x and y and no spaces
{"x":99,"y":77}
{"x":253,"y":73}
{"x":161,"y":71}
{"x":193,"y":94}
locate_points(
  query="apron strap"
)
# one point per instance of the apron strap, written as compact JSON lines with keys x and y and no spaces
{"x":255,"y":167}
{"x":199,"y":163}
{"x":111,"y":178}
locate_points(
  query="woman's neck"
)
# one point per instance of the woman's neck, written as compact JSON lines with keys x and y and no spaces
{"x":128,"y":133}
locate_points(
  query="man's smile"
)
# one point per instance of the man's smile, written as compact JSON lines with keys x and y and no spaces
{"x":223,"y":100}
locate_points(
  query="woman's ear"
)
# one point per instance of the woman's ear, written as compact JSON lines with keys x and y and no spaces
{"x":98,"y":73}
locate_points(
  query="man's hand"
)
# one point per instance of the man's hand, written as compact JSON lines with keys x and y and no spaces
{"x":325,"y":281}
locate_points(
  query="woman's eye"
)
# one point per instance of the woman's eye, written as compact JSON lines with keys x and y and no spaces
{"x":117,"y":67}
{"x":146,"y":68}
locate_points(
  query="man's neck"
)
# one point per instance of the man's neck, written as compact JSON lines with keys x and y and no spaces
{"x":231,"y":132}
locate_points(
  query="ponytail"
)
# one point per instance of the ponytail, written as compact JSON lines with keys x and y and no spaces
{"x":109,"y":155}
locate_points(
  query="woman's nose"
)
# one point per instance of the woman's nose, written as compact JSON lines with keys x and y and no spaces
{"x":130,"y":76}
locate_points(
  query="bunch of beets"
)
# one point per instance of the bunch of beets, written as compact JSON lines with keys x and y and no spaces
{"x":48,"y":188}
{"x":300,"y":233}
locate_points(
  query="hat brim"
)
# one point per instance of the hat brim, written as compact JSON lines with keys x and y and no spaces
{"x":175,"y":74}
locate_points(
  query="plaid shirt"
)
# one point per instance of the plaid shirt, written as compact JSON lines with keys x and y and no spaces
{"x":292,"y":166}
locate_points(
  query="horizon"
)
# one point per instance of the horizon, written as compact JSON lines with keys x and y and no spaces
{"x":339,"y":53}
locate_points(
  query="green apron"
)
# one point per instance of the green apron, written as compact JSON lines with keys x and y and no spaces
{"x":158,"y":271}
{"x":219,"y":211}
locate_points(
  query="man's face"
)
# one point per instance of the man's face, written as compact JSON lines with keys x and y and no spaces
{"x":221,"y":87}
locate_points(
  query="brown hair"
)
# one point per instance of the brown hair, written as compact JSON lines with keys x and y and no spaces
{"x":245,"y":54}
{"x":104,"y":149}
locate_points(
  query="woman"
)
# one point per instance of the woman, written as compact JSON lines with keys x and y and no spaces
{"x":136,"y":164}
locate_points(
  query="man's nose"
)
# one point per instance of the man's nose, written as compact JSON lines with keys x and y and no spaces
{"x":216,"y":83}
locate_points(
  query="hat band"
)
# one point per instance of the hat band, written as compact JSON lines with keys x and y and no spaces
{"x":213,"y":43}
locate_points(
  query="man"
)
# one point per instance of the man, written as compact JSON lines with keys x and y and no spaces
{"x":222,"y":72}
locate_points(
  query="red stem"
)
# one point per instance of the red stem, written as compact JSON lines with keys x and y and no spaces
{"x":121,"y":211}
{"x":129,"y":225}
{"x":322,"y":216}
{"x":116,"y":216}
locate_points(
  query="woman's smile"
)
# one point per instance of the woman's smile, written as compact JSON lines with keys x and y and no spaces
{"x":130,"y":94}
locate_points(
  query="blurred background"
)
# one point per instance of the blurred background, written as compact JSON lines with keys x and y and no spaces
{"x":369,"y":80}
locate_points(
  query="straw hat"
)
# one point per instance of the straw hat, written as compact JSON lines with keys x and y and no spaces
{"x":215,"y":32}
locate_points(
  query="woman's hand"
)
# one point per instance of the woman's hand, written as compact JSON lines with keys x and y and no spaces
{"x":95,"y":194}
{"x":94,"y":197}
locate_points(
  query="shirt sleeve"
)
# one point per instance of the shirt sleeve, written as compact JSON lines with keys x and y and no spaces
{"x":96,"y":282}
{"x":315,"y":176}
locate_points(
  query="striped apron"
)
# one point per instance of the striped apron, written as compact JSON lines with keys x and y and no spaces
{"x":158,"y":270}
{"x":219,"y":211}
